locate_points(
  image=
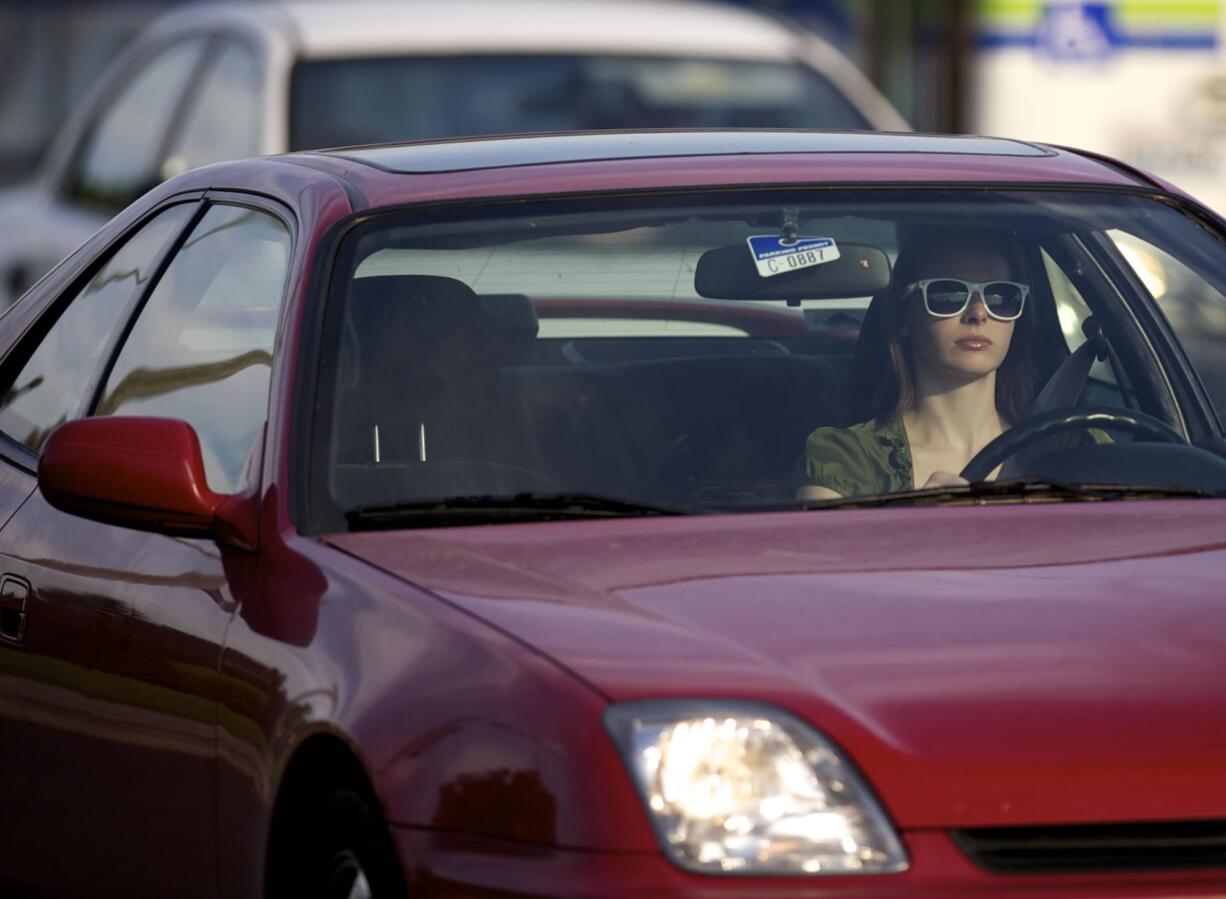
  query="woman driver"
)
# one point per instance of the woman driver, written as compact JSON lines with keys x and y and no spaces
{"x":955,"y":370}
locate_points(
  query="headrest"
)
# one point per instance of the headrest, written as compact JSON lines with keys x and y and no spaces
{"x":426,"y":325}
{"x":510,"y":314}
{"x":383,"y":288}
{"x":417,"y":309}
{"x":870,"y":363}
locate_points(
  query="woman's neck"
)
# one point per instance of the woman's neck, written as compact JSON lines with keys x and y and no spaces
{"x":958,"y":415}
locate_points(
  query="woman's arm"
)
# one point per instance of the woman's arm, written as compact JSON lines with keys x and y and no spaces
{"x":813,"y":491}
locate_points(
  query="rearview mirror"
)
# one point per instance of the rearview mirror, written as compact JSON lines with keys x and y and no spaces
{"x":141,"y":473}
{"x":730,"y":273}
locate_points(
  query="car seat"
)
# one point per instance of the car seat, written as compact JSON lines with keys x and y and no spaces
{"x":426,"y":404}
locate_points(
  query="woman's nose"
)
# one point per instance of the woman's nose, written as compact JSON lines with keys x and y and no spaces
{"x":976,"y":311}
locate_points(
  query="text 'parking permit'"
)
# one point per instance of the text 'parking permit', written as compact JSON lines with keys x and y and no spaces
{"x":773,"y":255}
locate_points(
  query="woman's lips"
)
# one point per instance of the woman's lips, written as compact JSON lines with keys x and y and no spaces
{"x":974,"y":343}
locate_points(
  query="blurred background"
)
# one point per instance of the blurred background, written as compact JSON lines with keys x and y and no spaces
{"x":1141,"y":80}
{"x":101,"y":99}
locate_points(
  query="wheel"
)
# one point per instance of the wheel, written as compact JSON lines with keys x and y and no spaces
{"x":335,"y":849}
{"x":1060,"y":421}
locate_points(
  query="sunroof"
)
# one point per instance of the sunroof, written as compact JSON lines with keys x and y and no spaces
{"x":485,"y":153}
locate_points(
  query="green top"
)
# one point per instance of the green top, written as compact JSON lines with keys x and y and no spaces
{"x":874,"y":457}
{"x":869,"y":458}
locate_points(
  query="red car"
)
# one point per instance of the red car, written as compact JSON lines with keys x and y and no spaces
{"x":438,"y":520}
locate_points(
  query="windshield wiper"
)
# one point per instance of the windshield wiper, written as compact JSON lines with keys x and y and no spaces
{"x":1020,"y":490}
{"x":460,"y":510}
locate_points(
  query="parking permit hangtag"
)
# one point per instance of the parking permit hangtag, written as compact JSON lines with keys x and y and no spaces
{"x":774,"y":255}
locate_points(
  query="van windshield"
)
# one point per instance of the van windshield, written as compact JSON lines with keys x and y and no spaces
{"x":342,"y":102}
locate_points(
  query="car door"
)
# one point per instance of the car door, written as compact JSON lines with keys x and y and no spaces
{"x":108,"y":709}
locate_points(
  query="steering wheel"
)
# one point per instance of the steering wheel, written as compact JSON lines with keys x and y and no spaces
{"x":1060,"y":421}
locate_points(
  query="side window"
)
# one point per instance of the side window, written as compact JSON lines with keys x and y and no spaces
{"x":224,"y":119}
{"x":1196,"y":311}
{"x":120,"y":155}
{"x":51,"y":386}
{"x":201,"y":349}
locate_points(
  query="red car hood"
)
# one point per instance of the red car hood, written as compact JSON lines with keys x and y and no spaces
{"x":982,"y":665}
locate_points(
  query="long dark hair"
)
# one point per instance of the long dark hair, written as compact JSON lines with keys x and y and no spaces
{"x":886,"y":372}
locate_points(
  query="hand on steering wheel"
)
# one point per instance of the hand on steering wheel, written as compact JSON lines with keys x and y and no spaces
{"x":1060,"y":421}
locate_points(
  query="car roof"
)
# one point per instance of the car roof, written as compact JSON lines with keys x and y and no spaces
{"x":545,"y":164}
{"x":330,"y":28}
{"x":592,"y":162}
{"x":530,"y":150}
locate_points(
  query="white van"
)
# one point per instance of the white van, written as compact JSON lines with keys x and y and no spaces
{"x":225,"y":80}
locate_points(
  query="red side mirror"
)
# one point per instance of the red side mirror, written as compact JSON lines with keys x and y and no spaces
{"x":142,"y":473}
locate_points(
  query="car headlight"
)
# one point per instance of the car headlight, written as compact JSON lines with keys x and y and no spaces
{"x":739,"y":788}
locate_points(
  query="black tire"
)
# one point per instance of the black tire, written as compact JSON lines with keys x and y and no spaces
{"x":337,"y":848}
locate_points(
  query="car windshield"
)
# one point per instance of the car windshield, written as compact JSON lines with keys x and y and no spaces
{"x":341,"y":102}
{"x":653,"y":355}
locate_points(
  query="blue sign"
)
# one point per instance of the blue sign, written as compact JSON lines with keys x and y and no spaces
{"x":1092,"y":30}
{"x":1077,"y":31}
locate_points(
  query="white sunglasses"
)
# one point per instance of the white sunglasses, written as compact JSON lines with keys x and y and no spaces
{"x":949,"y":297}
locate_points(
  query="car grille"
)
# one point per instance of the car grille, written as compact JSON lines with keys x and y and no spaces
{"x":1162,"y":846}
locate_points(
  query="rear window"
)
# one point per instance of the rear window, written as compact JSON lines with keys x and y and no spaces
{"x":358,"y":101}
